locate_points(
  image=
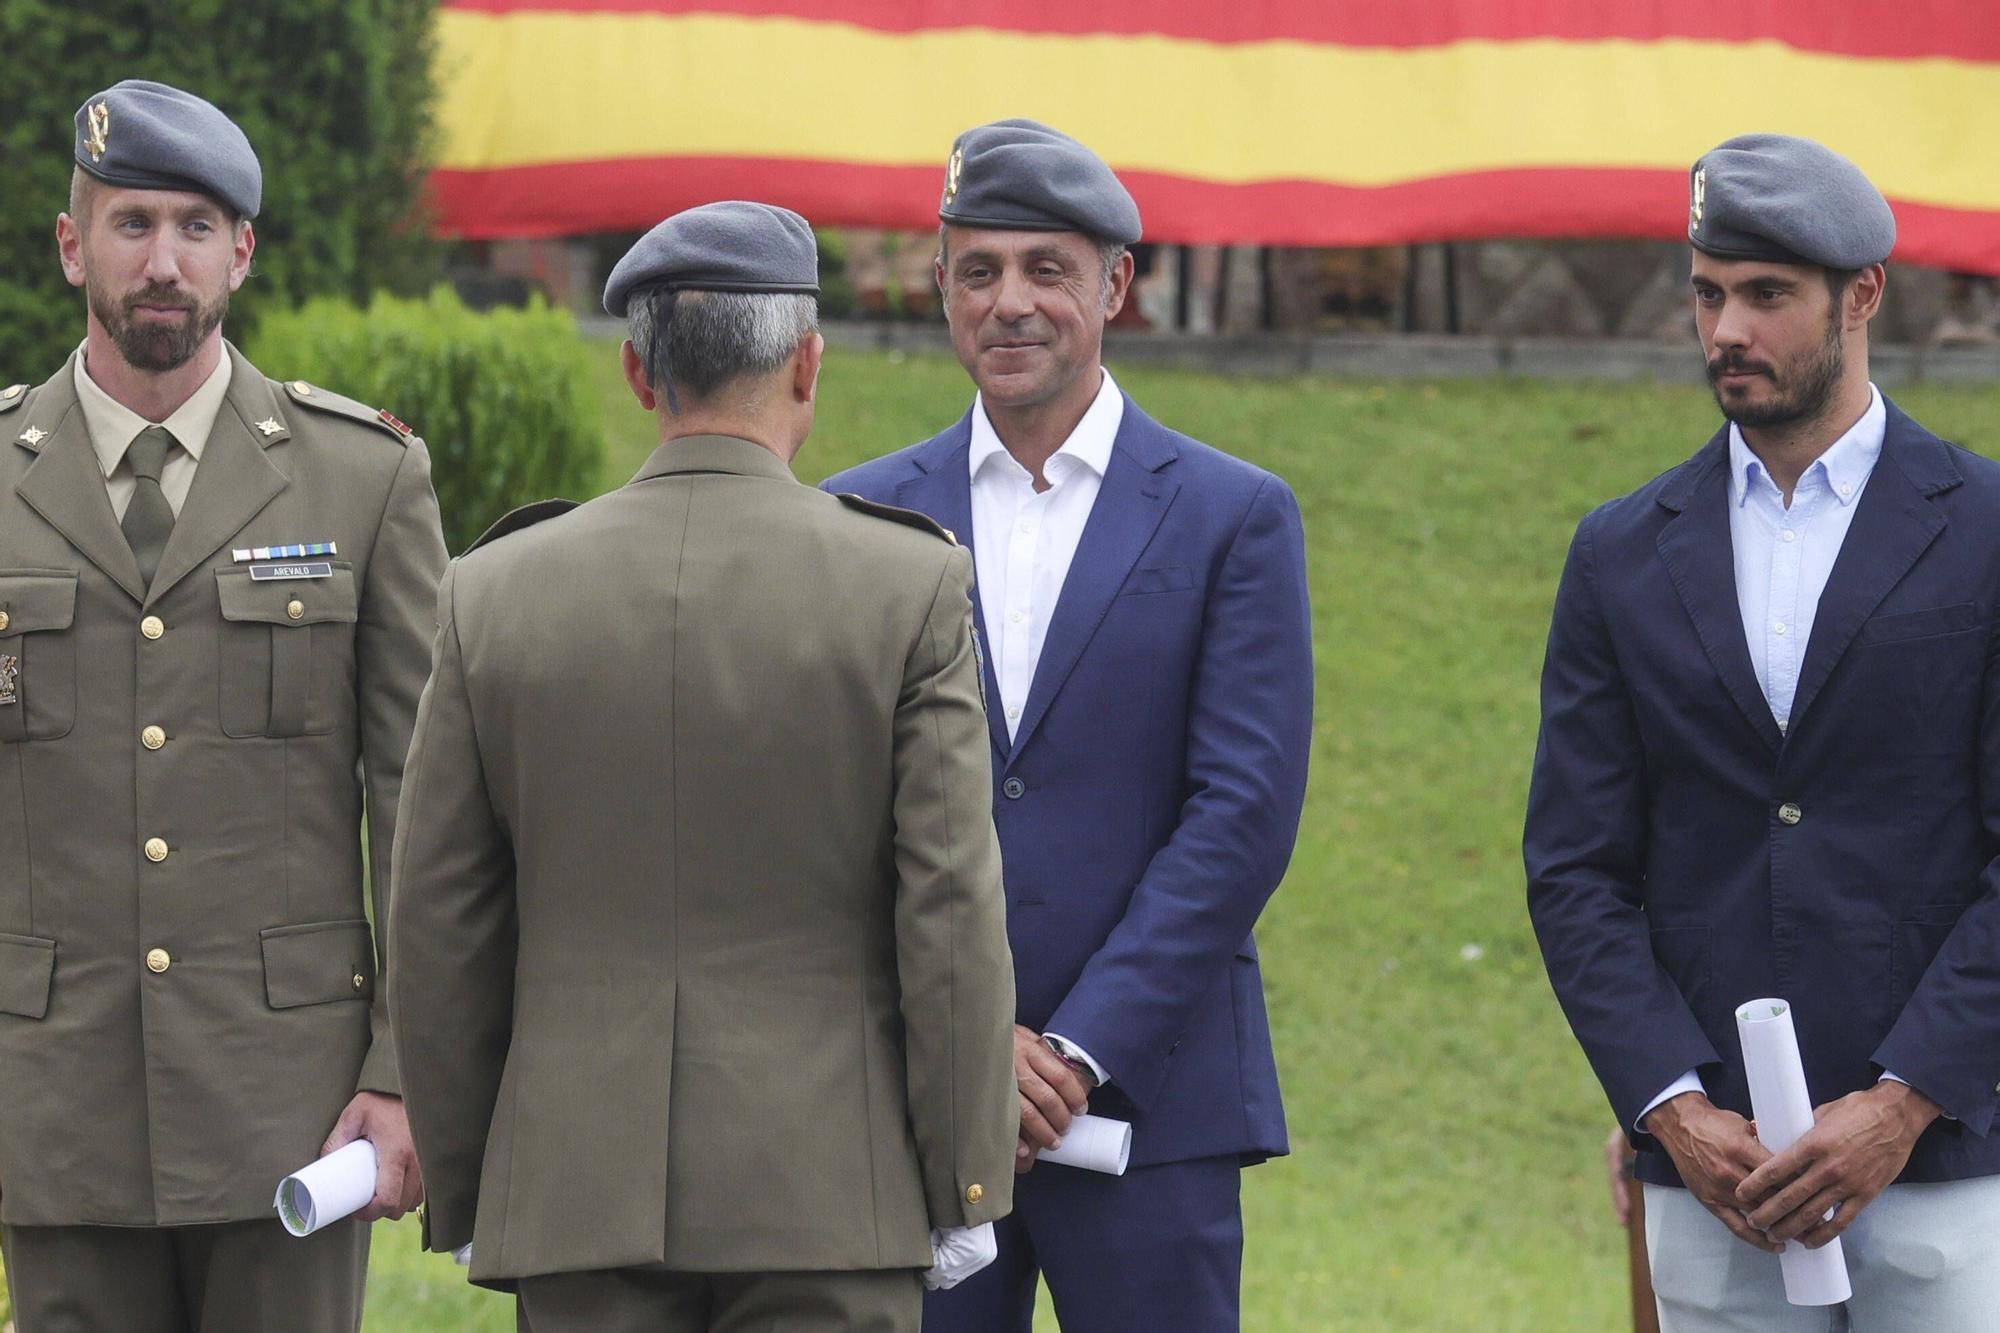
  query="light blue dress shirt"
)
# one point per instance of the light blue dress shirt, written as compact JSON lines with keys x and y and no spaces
{"x":1783,"y":557}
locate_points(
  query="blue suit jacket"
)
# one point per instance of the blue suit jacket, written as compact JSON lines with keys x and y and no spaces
{"x":1665,"y":885}
{"x":1149,"y":802}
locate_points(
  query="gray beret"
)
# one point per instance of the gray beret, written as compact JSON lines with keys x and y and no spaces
{"x":147,"y":136}
{"x":1787,"y":200}
{"x":732,"y":246}
{"x":1018,"y":175}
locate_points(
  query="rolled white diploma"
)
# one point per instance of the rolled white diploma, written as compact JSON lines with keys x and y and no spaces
{"x":337,"y":1185}
{"x":1779,"y":1100}
{"x":1094,"y":1143}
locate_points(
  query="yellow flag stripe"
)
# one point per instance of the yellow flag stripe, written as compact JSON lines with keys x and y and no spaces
{"x":535,"y":88}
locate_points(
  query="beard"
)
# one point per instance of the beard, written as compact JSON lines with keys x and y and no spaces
{"x":158,"y":347}
{"x":1803,"y":390}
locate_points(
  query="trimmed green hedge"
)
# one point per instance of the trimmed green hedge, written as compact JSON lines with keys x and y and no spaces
{"x":335,"y":95}
{"x":503,"y":399}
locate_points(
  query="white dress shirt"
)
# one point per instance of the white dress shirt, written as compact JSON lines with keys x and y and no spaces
{"x":113,"y":426}
{"x":1022,"y":544}
{"x":1783,"y":557}
{"x":1023,"y":541}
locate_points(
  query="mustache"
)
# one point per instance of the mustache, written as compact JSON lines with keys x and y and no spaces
{"x":171,"y":298}
{"x":1734,"y":363}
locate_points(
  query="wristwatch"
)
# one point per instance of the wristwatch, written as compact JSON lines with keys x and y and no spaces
{"x":1071,"y":1056}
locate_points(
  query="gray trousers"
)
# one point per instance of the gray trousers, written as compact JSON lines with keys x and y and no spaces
{"x":658,"y":1300}
{"x":1921,"y":1259}
{"x":226,"y":1278}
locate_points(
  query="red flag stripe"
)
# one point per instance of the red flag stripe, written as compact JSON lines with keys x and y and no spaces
{"x":568,"y":198}
{"x":1883,"y":29}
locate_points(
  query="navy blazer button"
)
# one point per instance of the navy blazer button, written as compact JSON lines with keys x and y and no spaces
{"x":1014,"y":788}
{"x":1789,"y":813}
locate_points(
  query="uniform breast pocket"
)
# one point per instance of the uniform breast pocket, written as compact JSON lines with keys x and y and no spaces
{"x":37,"y":654}
{"x":287,"y":651}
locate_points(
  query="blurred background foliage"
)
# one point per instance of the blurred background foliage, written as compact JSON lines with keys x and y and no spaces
{"x":502,"y":398}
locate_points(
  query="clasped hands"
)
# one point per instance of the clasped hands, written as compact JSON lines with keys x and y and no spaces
{"x":1813,"y":1190}
{"x":1053,"y":1092}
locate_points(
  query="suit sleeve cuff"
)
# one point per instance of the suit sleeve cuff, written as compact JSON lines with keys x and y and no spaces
{"x":1891,"y":1076}
{"x":1688,"y":1082}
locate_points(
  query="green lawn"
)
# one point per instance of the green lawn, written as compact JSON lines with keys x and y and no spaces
{"x":1445,"y":1130}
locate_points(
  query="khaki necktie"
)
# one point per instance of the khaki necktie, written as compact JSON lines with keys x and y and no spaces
{"x":149,"y":519}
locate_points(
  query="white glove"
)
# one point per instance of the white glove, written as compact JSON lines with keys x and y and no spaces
{"x":960,"y":1252}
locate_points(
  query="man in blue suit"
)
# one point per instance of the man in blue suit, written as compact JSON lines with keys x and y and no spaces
{"x":1770,"y":766}
{"x":1148,"y":670}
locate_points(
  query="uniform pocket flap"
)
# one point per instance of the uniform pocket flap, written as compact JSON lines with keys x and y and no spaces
{"x":37,"y":599}
{"x":318,"y":963}
{"x":328,"y":600}
{"x":27,"y":966}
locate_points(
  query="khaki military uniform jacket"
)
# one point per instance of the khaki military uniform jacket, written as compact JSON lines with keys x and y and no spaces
{"x":699,"y":951}
{"x":188,"y":990}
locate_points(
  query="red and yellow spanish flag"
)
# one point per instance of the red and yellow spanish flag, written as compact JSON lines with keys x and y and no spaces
{"x":1283,"y":122}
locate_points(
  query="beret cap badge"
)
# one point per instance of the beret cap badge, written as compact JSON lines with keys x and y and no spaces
{"x":953,"y":169}
{"x":99,"y":136}
{"x":1700,"y":195}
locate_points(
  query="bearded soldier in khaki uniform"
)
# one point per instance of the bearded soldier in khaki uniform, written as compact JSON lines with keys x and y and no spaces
{"x":216,"y":596}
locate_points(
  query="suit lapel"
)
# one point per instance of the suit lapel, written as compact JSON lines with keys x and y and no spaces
{"x":942,"y":488}
{"x":1700,"y":561}
{"x":1130,"y":503}
{"x":232,"y":483}
{"x":1894,"y":523}
{"x":65,"y":485}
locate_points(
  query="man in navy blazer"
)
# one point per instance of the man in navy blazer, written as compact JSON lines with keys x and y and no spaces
{"x":1769,"y":766}
{"x":1148,"y":669}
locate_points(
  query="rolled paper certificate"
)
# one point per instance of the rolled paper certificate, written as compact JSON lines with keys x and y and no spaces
{"x":462,"y":1256}
{"x":1784,"y":1111}
{"x":340,"y":1183}
{"x":1094,"y":1143}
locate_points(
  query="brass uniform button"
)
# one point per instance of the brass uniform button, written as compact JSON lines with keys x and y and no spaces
{"x":158,"y":960}
{"x":974,"y":1193}
{"x":295,"y":608}
{"x":302,"y":389}
{"x":153,"y":738}
{"x":152,"y":627}
{"x":156,"y":850}
{"x":3,"y":620}
{"x":359,"y":981}
{"x":1789,"y":813}
{"x":10,"y":393}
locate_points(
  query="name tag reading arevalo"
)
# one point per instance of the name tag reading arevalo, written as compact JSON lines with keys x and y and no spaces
{"x":312,"y":569}
{"x":297,"y":551}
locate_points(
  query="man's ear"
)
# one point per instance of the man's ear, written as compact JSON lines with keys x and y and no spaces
{"x":1864,"y":296}
{"x":635,"y":376}
{"x":69,"y":248}
{"x":805,"y":368}
{"x":239,"y":259}
{"x":1121,"y":285}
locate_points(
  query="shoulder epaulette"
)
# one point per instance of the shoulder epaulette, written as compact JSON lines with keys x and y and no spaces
{"x":909,"y":518}
{"x":13,"y":396}
{"x":325,"y":400}
{"x":525,"y":517}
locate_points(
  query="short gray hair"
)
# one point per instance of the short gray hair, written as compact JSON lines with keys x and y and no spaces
{"x":700,"y":341}
{"x":1108,"y":255}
